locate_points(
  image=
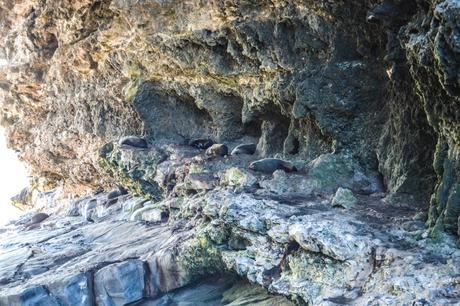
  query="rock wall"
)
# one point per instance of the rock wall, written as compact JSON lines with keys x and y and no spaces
{"x":432,"y":44}
{"x":378,"y":81}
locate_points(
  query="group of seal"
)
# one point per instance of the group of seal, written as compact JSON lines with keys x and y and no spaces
{"x":266,"y":165}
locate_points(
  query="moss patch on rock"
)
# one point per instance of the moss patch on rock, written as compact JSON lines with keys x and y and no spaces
{"x":201,"y":258}
{"x":134,"y":171}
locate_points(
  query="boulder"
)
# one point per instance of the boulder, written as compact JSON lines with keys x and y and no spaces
{"x":120,"y":284}
{"x":344,"y":198}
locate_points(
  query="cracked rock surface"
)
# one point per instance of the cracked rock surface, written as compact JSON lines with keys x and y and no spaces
{"x":243,"y":236}
{"x":112,"y":102}
{"x":375,"y":80}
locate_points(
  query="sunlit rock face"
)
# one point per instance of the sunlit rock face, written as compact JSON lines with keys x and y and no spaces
{"x":375,"y":81}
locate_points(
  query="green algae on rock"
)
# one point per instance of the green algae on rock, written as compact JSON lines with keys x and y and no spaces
{"x":134,"y":170}
{"x":374,"y":81}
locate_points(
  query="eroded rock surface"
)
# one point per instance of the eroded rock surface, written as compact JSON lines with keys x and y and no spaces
{"x":360,"y":97}
{"x":292,"y":242}
{"x":375,"y":80}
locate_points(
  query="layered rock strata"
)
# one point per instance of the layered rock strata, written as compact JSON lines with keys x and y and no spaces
{"x":376,"y":80}
{"x":216,"y":218}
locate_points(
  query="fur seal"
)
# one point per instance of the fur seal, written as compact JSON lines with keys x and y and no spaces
{"x":270,"y":165}
{"x":112,"y":197}
{"x":133,"y":141}
{"x":116,"y":193}
{"x":36,"y":220}
{"x":217,"y":150}
{"x":248,"y":148}
{"x":201,"y":143}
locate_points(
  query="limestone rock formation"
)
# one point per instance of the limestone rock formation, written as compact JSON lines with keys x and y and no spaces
{"x":360,"y":97}
{"x":294,"y":244}
{"x":376,"y":80}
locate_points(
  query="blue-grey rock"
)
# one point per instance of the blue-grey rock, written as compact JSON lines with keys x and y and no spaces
{"x":120,"y":284}
{"x":165,"y":272}
{"x":34,"y":296}
{"x":75,"y":290}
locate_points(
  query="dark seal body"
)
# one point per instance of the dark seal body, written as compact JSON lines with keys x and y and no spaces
{"x":217,"y":150}
{"x":112,"y":197}
{"x":248,"y":148}
{"x":201,"y":143}
{"x":116,"y":193}
{"x":37,"y":218}
{"x":270,"y":165}
{"x":133,"y":141}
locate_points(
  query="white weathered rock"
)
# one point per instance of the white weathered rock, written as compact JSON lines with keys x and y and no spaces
{"x":237,"y":177}
{"x":151,"y":212}
{"x":293,"y":244}
{"x":200,"y":181}
{"x":339,"y":240}
{"x":134,"y":204}
{"x":153,"y":215}
{"x":90,"y":209}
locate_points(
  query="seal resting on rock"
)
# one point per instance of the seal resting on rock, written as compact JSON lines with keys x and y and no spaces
{"x":133,"y":141}
{"x":112,"y":197}
{"x":36,"y":220}
{"x":116,"y":193}
{"x":217,"y":150}
{"x":248,"y":148}
{"x":270,"y":165}
{"x":201,"y":143}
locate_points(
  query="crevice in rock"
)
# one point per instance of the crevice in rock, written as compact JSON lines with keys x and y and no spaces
{"x":91,"y":287}
{"x":18,"y":272}
{"x":361,"y":96}
{"x":169,"y":115}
